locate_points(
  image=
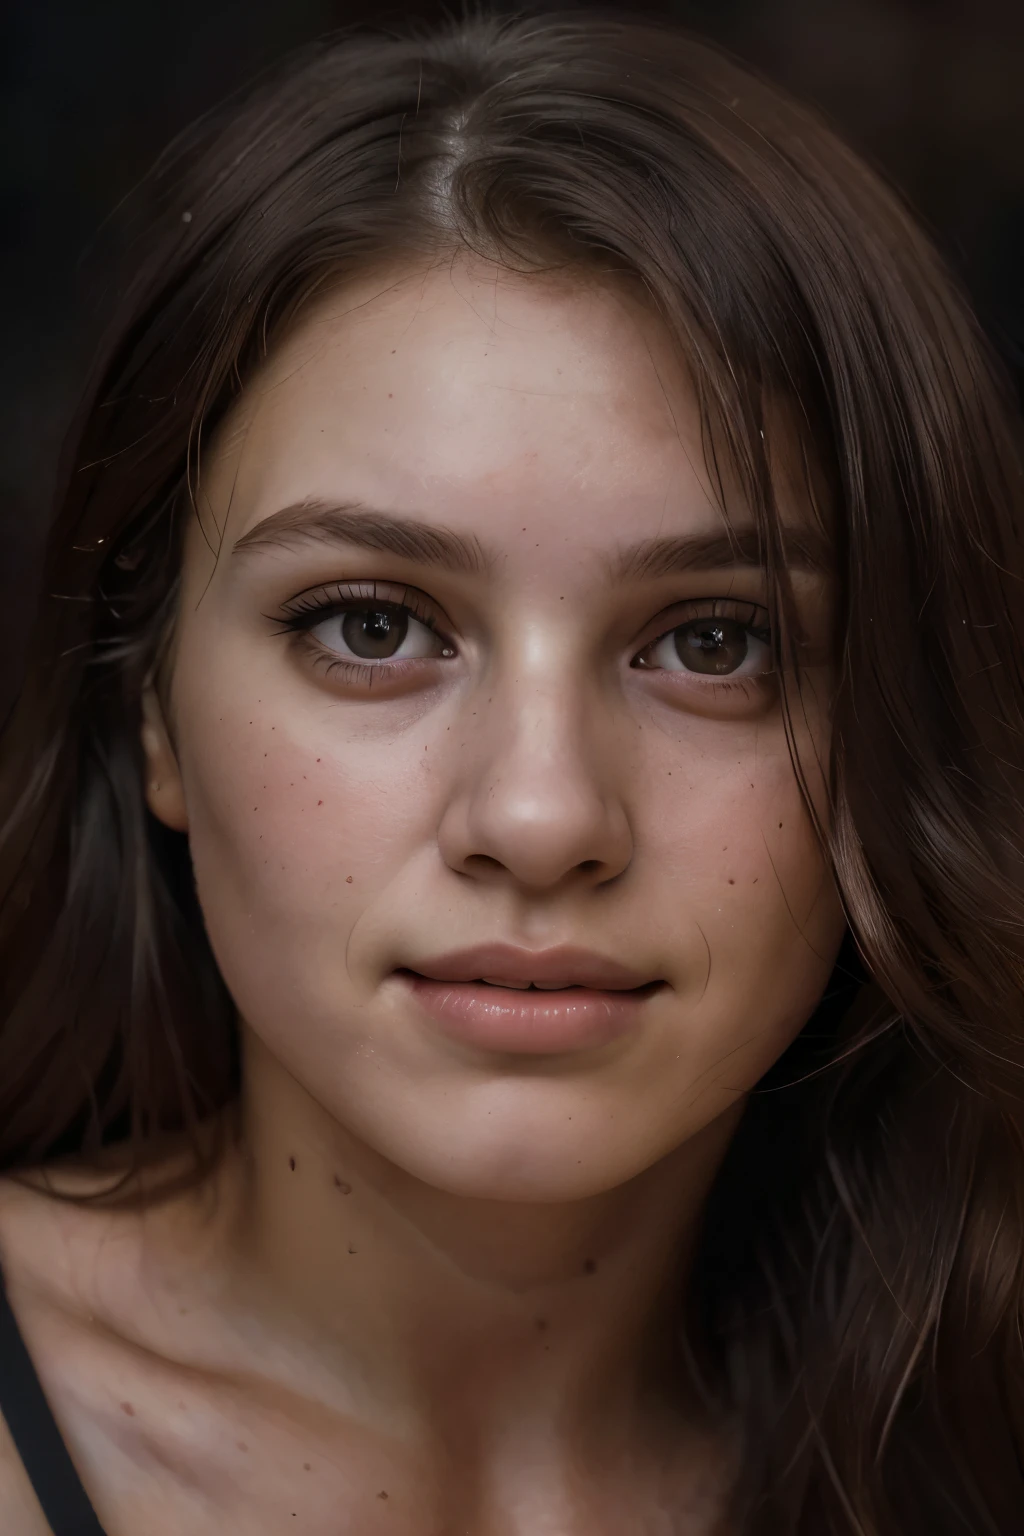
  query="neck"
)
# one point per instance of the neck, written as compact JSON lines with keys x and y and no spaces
{"x":424,"y":1296}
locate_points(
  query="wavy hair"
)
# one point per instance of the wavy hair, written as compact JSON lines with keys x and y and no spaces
{"x":854,"y":1314}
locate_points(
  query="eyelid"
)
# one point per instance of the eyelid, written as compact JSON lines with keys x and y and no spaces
{"x":754,"y":617}
{"x":317,"y":603}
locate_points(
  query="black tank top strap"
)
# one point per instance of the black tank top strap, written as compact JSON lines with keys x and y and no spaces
{"x":34,"y":1431}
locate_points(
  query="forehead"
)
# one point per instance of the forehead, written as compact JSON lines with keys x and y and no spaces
{"x":471,"y":395}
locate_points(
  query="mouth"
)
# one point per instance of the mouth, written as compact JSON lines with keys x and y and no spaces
{"x":549,"y":970}
{"x":500,"y":984}
{"x":523,"y":1002}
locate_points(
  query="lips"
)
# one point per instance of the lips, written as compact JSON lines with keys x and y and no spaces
{"x":498,"y":998}
{"x":505,"y":965}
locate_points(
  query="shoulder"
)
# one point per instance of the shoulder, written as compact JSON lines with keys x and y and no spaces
{"x":20,"y":1514}
{"x":79,"y":1240}
{"x":52,"y":1242}
{"x":87,"y":1284}
{"x":23,"y":1259}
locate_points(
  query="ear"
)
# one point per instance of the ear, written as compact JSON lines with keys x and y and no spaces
{"x":165,"y":794}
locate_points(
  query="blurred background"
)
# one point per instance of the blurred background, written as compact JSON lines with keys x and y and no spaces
{"x":932,"y":91}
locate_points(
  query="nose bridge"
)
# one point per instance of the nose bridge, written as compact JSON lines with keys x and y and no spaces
{"x":538,"y":790}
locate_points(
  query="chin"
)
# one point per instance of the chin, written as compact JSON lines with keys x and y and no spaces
{"x":521,"y":1157}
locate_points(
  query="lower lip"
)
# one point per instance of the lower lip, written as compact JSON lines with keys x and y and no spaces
{"x":532,"y":1023}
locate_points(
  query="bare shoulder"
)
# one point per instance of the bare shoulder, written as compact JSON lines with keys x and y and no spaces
{"x":87,"y":1286}
{"x":52,"y":1243}
{"x":20,"y":1514}
{"x":35,"y":1232}
{"x":77,"y":1238}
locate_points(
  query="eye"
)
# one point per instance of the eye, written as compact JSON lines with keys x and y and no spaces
{"x":371,"y":632}
{"x":712,"y":646}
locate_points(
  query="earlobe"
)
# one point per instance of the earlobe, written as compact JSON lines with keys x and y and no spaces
{"x":165,"y":794}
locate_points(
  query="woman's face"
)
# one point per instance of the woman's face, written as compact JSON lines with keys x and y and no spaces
{"x":468,"y":688}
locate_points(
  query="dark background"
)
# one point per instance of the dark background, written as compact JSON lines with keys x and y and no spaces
{"x":930,"y":90}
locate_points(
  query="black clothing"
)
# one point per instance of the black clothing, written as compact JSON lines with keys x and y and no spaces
{"x":38,"y":1440}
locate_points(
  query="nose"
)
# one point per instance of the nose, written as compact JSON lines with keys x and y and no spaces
{"x":535,"y":799}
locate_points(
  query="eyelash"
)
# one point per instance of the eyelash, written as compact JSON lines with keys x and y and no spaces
{"x":746,"y":614}
{"x":303,"y":613}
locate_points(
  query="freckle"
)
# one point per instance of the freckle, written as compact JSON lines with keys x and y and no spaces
{"x":540,"y":1323}
{"x":128,"y":1409}
{"x":755,"y":879}
{"x":390,"y":395}
{"x":348,"y":879}
{"x":590,"y":1267}
{"x":306,"y":1467}
{"x":319,"y":802}
{"x":318,"y":759}
{"x":291,"y":1164}
{"x":732,"y":882}
{"x":383,"y":1494}
{"x":241,"y":1445}
{"x":353,"y":1250}
{"x":346,"y":1189}
{"x":780,"y":826}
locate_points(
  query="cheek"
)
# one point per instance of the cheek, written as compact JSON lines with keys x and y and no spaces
{"x":745,"y":896}
{"x":294,"y":826}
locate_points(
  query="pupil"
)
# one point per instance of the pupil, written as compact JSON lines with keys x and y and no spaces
{"x":715,"y":646}
{"x":374,"y":633}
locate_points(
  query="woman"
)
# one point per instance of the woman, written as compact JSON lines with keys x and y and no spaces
{"x":511,"y":861}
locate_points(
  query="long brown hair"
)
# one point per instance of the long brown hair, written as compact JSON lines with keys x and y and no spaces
{"x":858,"y":1288}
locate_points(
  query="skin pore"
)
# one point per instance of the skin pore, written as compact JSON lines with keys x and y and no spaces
{"x":432,"y":1286}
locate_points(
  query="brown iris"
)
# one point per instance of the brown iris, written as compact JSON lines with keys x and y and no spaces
{"x":713,"y":646}
{"x":374,"y":633}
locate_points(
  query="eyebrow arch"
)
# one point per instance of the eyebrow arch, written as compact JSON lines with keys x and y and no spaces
{"x":367,"y":528}
{"x":805,"y":549}
{"x":428,"y":544}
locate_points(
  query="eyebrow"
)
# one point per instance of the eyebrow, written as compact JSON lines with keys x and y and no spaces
{"x":426,"y":543}
{"x":804,"y":548}
{"x":366,"y":528}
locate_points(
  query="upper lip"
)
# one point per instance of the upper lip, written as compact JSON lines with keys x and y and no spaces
{"x":564,"y":966}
